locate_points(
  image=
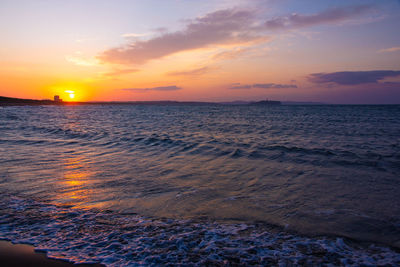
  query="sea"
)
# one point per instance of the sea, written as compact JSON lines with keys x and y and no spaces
{"x":203,"y":185}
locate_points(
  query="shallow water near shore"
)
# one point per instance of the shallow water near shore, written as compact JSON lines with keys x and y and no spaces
{"x":180,"y":181}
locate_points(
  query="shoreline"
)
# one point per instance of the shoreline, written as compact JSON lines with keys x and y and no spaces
{"x":25,"y":255}
{"x":120,"y":239}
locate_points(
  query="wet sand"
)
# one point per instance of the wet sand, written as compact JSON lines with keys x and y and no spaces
{"x":24,"y":255}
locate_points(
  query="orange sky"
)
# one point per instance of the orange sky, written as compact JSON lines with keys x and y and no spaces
{"x":210,"y":51}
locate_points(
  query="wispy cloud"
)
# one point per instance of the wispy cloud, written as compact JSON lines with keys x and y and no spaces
{"x":391,"y":49}
{"x":352,"y":77}
{"x":134,"y":35}
{"x":262,"y":85}
{"x":81,"y":61}
{"x":230,"y":54}
{"x":240,"y":86}
{"x":192,"y":72}
{"x":332,"y":15}
{"x":160,"y":88}
{"x":223,"y":27}
{"x":119,"y":72}
{"x":273,"y":85}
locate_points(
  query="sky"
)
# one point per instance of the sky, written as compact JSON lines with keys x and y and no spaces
{"x":332,"y":51}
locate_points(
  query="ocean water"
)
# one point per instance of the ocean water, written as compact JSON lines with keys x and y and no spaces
{"x":197,"y":185}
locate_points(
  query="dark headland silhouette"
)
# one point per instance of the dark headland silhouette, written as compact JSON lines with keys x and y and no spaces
{"x":11,"y":101}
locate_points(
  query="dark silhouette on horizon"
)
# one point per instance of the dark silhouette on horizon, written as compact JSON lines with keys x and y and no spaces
{"x":10,"y":101}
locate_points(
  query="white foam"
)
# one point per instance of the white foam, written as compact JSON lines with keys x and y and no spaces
{"x":82,"y":236}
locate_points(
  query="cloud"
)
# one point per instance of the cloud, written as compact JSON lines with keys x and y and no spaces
{"x":119,"y":72}
{"x":134,"y":35}
{"x":332,"y":15}
{"x":223,"y":27}
{"x":160,"y":88}
{"x":262,"y":85}
{"x":273,"y":85}
{"x":352,"y":77}
{"x":392,"y":83}
{"x":193,"y":72}
{"x":239,"y":86}
{"x":230,"y":26}
{"x":80,"y":61}
{"x":391,"y":49}
{"x":160,"y":30}
{"x":230,"y":54}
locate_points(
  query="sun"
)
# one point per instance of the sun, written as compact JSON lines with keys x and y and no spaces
{"x":69,"y":91}
{"x":71,"y":94}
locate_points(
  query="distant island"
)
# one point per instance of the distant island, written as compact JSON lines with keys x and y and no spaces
{"x":266,"y":103}
{"x":11,"y":101}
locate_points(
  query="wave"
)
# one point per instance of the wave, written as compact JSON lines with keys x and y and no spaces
{"x":213,"y":148}
{"x":89,"y":236}
{"x":152,"y":160}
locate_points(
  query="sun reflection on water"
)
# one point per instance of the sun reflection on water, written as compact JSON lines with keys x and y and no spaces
{"x":76,"y":183}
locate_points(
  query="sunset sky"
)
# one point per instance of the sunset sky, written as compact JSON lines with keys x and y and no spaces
{"x":342,"y":51}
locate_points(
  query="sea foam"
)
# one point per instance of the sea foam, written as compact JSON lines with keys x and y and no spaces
{"x":90,"y":236}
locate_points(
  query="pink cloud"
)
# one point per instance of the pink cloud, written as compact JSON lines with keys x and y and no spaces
{"x":353,"y":77}
{"x":262,"y":85}
{"x":332,"y":15}
{"x":234,"y":53}
{"x":229,"y":26}
{"x":221,"y":27}
{"x":192,"y":72}
{"x":159,"y":88}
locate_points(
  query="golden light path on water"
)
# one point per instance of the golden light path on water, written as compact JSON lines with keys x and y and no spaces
{"x":76,"y":183}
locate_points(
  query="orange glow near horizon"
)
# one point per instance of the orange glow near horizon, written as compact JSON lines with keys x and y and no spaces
{"x":70,"y":91}
{"x":71,"y":94}
{"x":204,"y":52}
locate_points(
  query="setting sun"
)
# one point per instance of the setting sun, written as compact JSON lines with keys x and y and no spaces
{"x":70,"y":90}
{"x":71,"y":94}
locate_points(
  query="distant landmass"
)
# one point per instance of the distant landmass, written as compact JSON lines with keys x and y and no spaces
{"x":271,"y":102}
{"x":11,"y":101}
{"x":302,"y":103}
{"x":266,"y":103}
